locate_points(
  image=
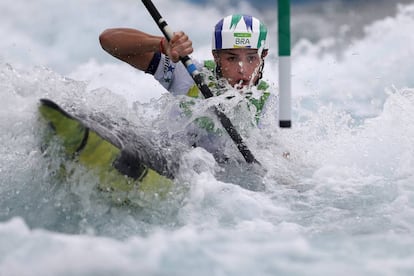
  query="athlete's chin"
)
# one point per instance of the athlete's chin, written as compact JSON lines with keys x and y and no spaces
{"x":241,"y":84}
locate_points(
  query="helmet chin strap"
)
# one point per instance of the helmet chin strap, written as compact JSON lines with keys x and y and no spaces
{"x":260,"y":72}
{"x":263,"y":54}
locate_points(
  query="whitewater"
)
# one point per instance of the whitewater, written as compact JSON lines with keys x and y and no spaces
{"x":342,"y":203}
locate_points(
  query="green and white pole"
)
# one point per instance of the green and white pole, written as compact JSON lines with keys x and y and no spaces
{"x":284,"y":63}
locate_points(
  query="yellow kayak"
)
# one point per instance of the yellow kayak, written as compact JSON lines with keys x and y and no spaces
{"x":120,"y":171}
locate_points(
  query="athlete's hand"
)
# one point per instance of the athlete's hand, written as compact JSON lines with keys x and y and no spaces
{"x":179,"y":46}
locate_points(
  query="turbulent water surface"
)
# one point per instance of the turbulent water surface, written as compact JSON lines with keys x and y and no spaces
{"x":342,"y":203}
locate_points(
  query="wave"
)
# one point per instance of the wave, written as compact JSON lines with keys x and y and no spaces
{"x":342,"y":200}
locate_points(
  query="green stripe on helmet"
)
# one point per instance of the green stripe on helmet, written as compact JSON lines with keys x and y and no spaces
{"x":235,"y":20}
{"x":231,"y":33}
{"x":262,"y":35}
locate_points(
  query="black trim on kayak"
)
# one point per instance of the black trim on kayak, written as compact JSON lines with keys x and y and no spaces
{"x":53,"y":105}
{"x":84,"y":141}
{"x":129,"y":165}
{"x":56,"y":107}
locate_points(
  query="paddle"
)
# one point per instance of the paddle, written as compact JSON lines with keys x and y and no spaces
{"x":199,"y":80}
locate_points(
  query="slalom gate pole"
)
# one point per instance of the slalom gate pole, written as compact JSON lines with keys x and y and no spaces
{"x":202,"y":86}
{"x":284,"y":63}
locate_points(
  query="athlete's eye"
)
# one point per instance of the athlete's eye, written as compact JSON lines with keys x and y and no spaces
{"x":252,"y":58}
{"x":231,"y":59}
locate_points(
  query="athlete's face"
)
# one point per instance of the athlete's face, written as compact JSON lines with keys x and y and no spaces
{"x":240,"y":67}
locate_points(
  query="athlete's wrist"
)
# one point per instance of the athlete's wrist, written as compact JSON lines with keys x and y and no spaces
{"x":162,"y":46}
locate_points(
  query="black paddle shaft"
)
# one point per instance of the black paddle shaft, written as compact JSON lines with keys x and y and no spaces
{"x":204,"y":89}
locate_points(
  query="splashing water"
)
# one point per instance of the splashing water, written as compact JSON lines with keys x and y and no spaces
{"x":343,"y":202}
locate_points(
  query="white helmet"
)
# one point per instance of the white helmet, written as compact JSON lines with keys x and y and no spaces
{"x":233,"y":32}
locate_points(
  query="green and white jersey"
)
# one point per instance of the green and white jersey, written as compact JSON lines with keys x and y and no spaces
{"x":175,"y":78}
{"x":203,"y":131}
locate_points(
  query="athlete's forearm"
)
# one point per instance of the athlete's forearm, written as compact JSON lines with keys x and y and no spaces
{"x":132,"y":46}
{"x":127,"y":42}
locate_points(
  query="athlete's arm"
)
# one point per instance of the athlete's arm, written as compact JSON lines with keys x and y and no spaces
{"x":137,"y":48}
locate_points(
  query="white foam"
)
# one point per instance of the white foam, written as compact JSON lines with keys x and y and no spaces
{"x":341,"y":203}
